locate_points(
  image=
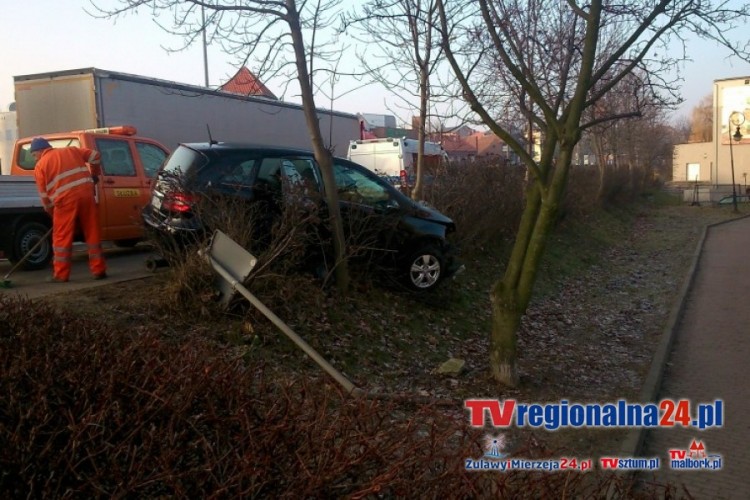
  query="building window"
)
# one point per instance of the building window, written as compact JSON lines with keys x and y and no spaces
{"x":693,"y":172}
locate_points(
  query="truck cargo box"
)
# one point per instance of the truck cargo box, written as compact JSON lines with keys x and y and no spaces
{"x":169,"y":112}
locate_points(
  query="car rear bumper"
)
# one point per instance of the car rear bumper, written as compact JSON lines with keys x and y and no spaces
{"x":177,"y":229}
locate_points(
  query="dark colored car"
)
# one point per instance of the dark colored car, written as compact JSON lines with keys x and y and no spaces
{"x":411,"y":237}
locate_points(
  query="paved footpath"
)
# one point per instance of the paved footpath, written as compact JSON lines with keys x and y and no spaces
{"x":710,"y":360}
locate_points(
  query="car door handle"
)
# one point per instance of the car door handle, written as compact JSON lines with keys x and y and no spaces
{"x":108,"y":181}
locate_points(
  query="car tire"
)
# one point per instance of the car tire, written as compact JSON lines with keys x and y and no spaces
{"x":24,"y":238}
{"x":424,"y":268}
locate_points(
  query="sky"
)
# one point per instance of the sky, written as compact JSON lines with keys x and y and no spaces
{"x":40,"y":36}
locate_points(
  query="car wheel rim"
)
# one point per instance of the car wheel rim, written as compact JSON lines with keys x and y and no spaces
{"x":425,"y":271}
{"x":28,"y":243}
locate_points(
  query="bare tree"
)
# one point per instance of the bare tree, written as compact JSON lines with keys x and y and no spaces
{"x":653,"y":144}
{"x":682,"y":126}
{"x":401,"y":55}
{"x":702,"y":120}
{"x":612,"y":141}
{"x":283,"y":37}
{"x":554,"y":60}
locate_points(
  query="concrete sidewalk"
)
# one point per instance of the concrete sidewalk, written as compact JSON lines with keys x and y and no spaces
{"x":123,"y":264}
{"x":710,"y":360}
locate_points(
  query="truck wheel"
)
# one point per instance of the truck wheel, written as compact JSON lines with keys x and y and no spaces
{"x":424,"y":268}
{"x":26,"y":236}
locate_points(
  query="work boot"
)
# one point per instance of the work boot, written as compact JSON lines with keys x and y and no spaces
{"x":100,"y":276}
{"x":55,"y":279}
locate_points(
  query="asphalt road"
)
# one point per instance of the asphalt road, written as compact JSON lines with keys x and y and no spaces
{"x":123,"y":264}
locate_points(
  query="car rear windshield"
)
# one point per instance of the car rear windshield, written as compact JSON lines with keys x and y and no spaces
{"x":224,"y":170}
{"x":183,"y":163}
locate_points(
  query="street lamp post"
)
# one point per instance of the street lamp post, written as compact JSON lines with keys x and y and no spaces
{"x":735,"y":119}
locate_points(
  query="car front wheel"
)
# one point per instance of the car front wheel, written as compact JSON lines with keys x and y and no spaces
{"x":425,"y":268}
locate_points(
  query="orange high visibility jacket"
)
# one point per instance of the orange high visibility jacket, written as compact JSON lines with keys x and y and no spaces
{"x":61,"y":173}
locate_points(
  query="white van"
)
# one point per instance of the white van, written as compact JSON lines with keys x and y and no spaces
{"x":394,"y":158}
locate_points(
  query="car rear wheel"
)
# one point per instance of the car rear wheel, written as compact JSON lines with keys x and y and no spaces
{"x":424,"y":268}
{"x":25,"y":237}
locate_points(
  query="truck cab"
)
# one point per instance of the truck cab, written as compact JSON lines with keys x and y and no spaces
{"x":128,"y":163}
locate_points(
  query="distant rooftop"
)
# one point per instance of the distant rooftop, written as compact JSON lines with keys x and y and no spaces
{"x":246,"y":83}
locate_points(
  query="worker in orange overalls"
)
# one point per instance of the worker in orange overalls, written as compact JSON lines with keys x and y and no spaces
{"x":66,"y":186}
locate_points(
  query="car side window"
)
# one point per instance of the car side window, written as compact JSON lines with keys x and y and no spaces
{"x":151,"y":157}
{"x":237,"y":175}
{"x":288,"y":174}
{"x":269,"y":175}
{"x":300,"y":174}
{"x":357,"y":187}
{"x":116,"y":157}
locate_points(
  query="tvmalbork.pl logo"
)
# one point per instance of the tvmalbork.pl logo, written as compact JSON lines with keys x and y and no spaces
{"x":695,"y":457}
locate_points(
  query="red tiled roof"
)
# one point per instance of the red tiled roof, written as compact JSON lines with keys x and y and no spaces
{"x":452,"y":143}
{"x":488,"y":144}
{"x":245,"y":83}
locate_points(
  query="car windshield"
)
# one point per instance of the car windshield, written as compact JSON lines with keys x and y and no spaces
{"x":358,"y":186}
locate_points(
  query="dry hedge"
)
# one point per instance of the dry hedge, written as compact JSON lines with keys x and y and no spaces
{"x":90,"y":412}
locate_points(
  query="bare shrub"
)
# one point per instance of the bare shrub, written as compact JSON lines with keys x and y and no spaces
{"x":581,"y":195}
{"x":623,"y":185}
{"x":287,"y":230}
{"x":91,"y":412}
{"x":484,"y":198}
{"x":284,"y":241}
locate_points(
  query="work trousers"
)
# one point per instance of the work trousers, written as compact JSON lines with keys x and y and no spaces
{"x":76,"y":211}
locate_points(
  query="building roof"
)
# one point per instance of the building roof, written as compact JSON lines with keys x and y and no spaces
{"x":487,"y":144}
{"x":454,"y":145}
{"x":246,"y":83}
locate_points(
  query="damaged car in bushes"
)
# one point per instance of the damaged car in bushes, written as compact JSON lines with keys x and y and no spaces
{"x":407,"y":238}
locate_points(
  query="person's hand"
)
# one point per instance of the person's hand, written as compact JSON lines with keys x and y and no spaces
{"x":95,"y":178}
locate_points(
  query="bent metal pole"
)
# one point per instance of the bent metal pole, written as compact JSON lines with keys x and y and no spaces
{"x":339,"y":377}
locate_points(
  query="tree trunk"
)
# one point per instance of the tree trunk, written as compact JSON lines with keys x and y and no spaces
{"x":506,"y":319}
{"x":322,"y":154}
{"x":424,"y":97}
{"x":416,"y":193}
{"x":510,"y":297}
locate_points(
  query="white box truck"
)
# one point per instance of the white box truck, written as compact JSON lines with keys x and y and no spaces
{"x":168,"y":112}
{"x":8,"y":136}
{"x":395,"y":158}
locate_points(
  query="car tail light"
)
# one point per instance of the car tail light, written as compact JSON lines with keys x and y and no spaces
{"x":404,"y":178}
{"x":179,"y":202}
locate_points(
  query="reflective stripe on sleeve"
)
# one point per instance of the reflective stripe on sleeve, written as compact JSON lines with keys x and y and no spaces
{"x":94,"y":158}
